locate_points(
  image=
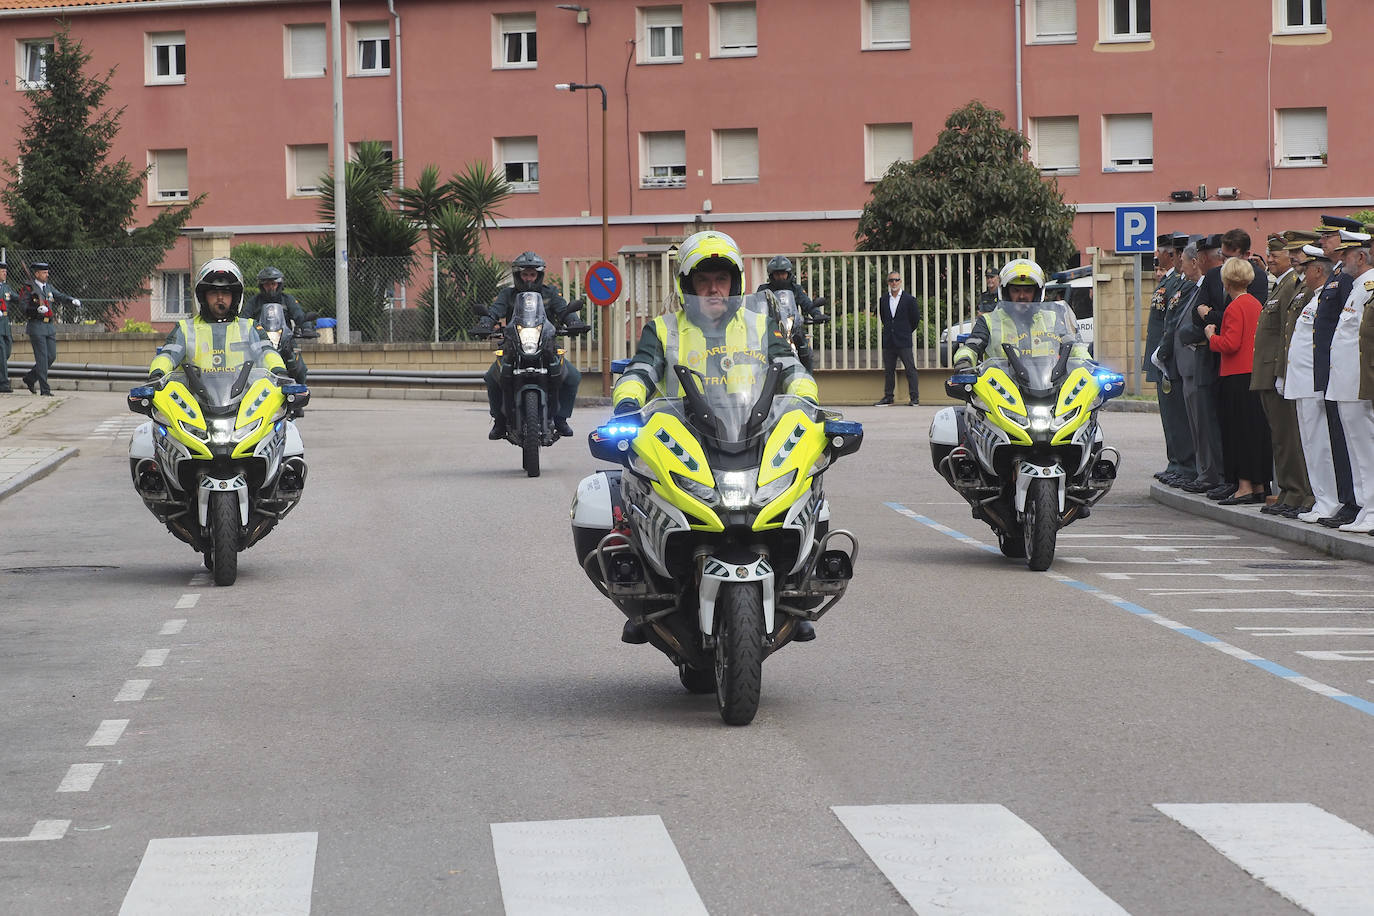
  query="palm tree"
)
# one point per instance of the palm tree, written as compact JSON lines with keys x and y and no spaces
{"x":479,"y":191}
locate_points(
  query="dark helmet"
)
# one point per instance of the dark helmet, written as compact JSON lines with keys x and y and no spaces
{"x":220,"y":273}
{"x":270,"y":273}
{"x":779,"y":264}
{"x":528,"y":259}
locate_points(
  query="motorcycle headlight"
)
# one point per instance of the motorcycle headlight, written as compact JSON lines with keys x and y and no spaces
{"x":771,"y":491}
{"x":1061,"y":421}
{"x":736,"y":488}
{"x":243,"y":432}
{"x":1041,"y":418}
{"x":221,"y":432}
{"x":529,"y":340}
{"x":194,"y":432}
{"x":695,"y":489}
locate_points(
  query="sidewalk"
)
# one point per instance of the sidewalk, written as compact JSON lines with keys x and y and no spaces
{"x":21,"y":462}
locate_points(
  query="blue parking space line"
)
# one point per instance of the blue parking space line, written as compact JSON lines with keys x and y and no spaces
{"x":1198,"y":636}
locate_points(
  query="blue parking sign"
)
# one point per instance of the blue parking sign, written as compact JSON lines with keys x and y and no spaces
{"x":1135,"y":229}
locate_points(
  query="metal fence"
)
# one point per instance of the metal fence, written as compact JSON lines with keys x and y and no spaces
{"x":946,"y":285}
{"x":106,"y":280}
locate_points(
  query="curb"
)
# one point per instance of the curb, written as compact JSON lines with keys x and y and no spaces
{"x":1339,"y":544}
{"x":38,"y":471}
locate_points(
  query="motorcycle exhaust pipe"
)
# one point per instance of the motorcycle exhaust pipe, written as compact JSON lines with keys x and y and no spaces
{"x":291,"y":479}
{"x":148,"y":480}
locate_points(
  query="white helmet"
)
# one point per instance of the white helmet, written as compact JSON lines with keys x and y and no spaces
{"x":1024,"y":272}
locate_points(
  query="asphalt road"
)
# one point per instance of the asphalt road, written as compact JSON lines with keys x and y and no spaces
{"x":413,"y":662}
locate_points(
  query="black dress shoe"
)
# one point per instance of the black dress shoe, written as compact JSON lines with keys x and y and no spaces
{"x":1195,"y":487}
{"x":885,"y":402}
{"x":1249,"y":499}
{"x":913,"y":403}
{"x":1272,"y":509}
{"x":633,"y":634}
{"x":29,"y":385}
{"x":1222,"y":491}
{"x":1161,"y":475}
{"x":804,"y":631}
{"x":1345,"y":516}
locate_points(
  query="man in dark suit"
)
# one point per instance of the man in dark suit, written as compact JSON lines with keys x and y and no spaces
{"x":1203,"y":417}
{"x":899,"y":316}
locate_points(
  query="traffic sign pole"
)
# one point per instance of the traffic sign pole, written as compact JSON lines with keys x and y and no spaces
{"x":603,"y":285}
{"x":1139,"y":266}
{"x":1135,"y":235}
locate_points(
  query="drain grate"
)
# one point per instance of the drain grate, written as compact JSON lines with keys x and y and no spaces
{"x":1312,"y":564}
{"x":56,"y":570}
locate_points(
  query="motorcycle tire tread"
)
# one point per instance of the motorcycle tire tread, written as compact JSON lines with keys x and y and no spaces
{"x":224,"y":536}
{"x":531,"y":434}
{"x":739,"y":651}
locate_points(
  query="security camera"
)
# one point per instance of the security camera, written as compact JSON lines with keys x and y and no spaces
{"x":706,"y":206}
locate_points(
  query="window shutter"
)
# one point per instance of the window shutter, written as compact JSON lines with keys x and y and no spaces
{"x":739,"y":154}
{"x":666,"y":149}
{"x":171,"y":171}
{"x":891,"y":22}
{"x":1056,"y":143}
{"x":307,"y":50}
{"x":517,"y":22}
{"x":1056,"y":18}
{"x":1303,"y":133}
{"x":520,"y":149}
{"x":660,"y":16}
{"x":888,"y":144}
{"x":1130,"y":138}
{"x":737,"y":26}
{"x":367,"y":31}
{"x":312,"y":162}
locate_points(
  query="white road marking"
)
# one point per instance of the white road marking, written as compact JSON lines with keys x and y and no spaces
{"x":186,"y":602}
{"x":1309,"y":631}
{"x":172,"y":627}
{"x":1344,"y":655}
{"x":132,"y":691}
{"x":1211,"y":574}
{"x":604,"y":865}
{"x":43,"y":830}
{"x":199,"y":580}
{"x":1313,"y":858}
{"x":108,"y":733}
{"x":1094,"y":535}
{"x":153,"y":658}
{"x":1295,"y":592}
{"x":1172,"y":561}
{"x":1283,"y":610}
{"x":224,"y":875}
{"x":955,"y":859}
{"x":80,"y":777}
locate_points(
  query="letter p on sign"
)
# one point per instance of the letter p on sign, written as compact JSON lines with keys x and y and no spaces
{"x":1135,"y":229}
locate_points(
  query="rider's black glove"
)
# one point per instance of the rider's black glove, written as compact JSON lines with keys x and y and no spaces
{"x":625,"y":406}
{"x":485,"y":327}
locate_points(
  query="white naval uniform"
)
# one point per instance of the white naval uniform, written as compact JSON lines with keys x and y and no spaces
{"x":1357,"y":416}
{"x":1299,"y":386}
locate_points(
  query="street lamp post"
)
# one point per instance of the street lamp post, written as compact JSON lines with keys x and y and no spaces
{"x":605,"y":225}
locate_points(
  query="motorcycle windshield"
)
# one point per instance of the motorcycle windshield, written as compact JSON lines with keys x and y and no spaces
{"x":788,"y":313}
{"x":528,"y":311}
{"x":272,"y":317}
{"x":220,"y":392}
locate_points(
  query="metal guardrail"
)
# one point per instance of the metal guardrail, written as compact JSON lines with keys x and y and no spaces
{"x":319,"y":377}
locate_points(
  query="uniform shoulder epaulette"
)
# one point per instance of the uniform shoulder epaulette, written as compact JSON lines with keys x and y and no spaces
{"x":1369,"y":286}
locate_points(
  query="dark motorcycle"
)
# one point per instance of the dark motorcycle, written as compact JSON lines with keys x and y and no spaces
{"x":280,"y":334}
{"x":782,"y":305}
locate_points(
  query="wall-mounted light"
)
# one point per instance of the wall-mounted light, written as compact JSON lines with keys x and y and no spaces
{"x":1228,"y":193}
{"x":583,"y":13}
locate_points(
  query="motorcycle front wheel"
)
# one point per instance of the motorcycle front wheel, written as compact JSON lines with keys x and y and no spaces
{"x":1041,"y":523}
{"x":739,"y":651}
{"x":224,"y":536}
{"x":531,"y":434}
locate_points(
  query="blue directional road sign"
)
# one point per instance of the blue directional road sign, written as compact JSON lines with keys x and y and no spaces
{"x":602,"y":283}
{"x":1135,"y":229}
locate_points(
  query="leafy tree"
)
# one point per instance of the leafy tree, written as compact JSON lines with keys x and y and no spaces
{"x":64,"y":196}
{"x":974,"y":188}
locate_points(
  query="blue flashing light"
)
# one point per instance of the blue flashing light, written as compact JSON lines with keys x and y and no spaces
{"x":963,"y":378}
{"x":843,"y":428}
{"x":161,"y":430}
{"x":294,"y":389}
{"x":618,"y":430}
{"x":143,"y":391}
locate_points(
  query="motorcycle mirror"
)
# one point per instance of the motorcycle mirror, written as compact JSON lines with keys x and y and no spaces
{"x":297,"y":396}
{"x":960,"y":386}
{"x":611,"y":441}
{"x":845,"y":436}
{"x":141,"y":399}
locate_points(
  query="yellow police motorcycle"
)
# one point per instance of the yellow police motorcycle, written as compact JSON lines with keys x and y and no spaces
{"x":1027,"y":452}
{"x":714,"y":534}
{"x":220,"y":461}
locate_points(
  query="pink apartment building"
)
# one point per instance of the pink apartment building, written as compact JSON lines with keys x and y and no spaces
{"x":769,"y":119}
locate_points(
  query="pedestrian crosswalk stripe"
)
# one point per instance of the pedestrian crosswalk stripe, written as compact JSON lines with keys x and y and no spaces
{"x":251,"y":875}
{"x":606,"y":865}
{"x":1313,"y":858}
{"x":966,"y":859}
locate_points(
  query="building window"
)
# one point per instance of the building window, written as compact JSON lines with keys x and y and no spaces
{"x":1301,"y":137}
{"x":887,"y":25}
{"x":885,"y":144}
{"x":1128,"y":143}
{"x":736,"y":156}
{"x":1052,"y":21}
{"x":1125,"y":20}
{"x":33,"y":64}
{"x":1299,"y":16}
{"x":518,"y":159}
{"x":166,"y":57}
{"x":513,"y":41}
{"x":372,"y":41}
{"x":167,"y":179}
{"x":172,"y":295}
{"x":661,"y":35}
{"x":734,"y":30}
{"x":664,"y":158}
{"x":305,"y":50}
{"x":306,"y":167}
{"x":1054,"y":145}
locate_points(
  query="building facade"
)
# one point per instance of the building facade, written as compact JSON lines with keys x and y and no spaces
{"x":769,"y":119}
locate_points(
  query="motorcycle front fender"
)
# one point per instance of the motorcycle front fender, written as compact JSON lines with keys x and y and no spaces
{"x":1026,"y":471}
{"x":210,"y":485}
{"x":715,"y":572}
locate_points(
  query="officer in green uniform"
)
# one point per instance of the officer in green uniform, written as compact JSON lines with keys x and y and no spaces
{"x":8,"y":300}
{"x":216,"y":339}
{"x":1023,"y":318}
{"x":1272,"y":335}
{"x":1166,"y":257}
{"x":40,"y":307}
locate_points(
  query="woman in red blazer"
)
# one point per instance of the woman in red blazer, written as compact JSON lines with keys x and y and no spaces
{"x":1246,"y":453}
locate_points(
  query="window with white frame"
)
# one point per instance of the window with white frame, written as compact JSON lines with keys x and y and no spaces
{"x":513,"y":44}
{"x":660,"y":35}
{"x":734,"y":30}
{"x":1301,"y":137}
{"x":1052,"y":21}
{"x":736,"y":156}
{"x":518,"y":159}
{"x":372,"y":48}
{"x":1125,"y":20}
{"x":172,"y":299}
{"x":167,"y":179}
{"x":887,"y":25}
{"x":306,"y":166}
{"x":1054,"y":144}
{"x":166,"y":59}
{"x":1299,"y":16}
{"x":663,"y":155}
{"x":885,"y":144}
{"x":306,"y":50}
{"x":1128,"y":143}
{"x":32,"y":61}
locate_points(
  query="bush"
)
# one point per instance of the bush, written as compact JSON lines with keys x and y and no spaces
{"x":137,"y":327}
